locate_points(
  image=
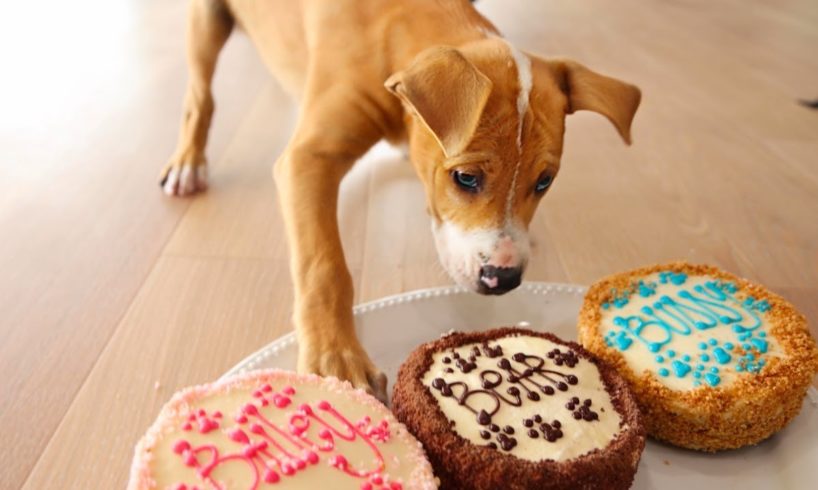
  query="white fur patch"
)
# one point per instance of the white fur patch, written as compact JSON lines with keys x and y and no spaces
{"x":463,"y":252}
{"x":525,"y":80}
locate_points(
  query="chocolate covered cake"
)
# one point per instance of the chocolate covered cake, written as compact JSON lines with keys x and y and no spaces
{"x":516,"y":409}
{"x":277,"y":429}
{"x":715,"y":361}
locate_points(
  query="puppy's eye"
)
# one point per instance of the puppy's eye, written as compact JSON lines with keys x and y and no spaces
{"x":466,"y":181}
{"x":543,"y":183}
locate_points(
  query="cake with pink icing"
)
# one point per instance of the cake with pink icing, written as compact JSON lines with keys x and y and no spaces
{"x":277,"y":429}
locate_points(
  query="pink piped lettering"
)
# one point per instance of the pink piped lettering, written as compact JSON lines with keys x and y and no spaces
{"x":273,"y":452}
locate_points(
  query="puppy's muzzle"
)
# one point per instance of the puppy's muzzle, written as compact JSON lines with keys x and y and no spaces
{"x":498,"y":280}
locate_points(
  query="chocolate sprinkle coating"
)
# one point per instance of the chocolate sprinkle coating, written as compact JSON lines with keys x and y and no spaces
{"x":462,"y":465}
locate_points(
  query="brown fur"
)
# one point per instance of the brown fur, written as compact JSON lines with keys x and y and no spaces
{"x":456,"y":90}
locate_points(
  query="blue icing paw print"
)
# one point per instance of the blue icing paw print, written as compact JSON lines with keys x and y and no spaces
{"x":619,"y":339}
{"x":664,"y":372}
{"x":620,"y":302}
{"x":680,"y":368}
{"x":727,"y":287}
{"x":646,"y":290}
{"x":712,"y":379}
{"x":675,"y":278}
{"x":618,"y":299}
{"x":623,"y":341}
{"x":761,"y":306}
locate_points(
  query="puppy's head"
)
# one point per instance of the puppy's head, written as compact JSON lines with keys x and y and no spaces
{"x":486,"y":125}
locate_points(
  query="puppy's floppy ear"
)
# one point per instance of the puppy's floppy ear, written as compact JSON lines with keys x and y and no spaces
{"x":588,"y":90}
{"x":447,"y":93}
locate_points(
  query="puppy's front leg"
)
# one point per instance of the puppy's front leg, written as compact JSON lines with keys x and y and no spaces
{"x":308,"y":176}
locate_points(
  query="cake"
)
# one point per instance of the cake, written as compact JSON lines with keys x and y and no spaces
{"x":516,"y":409}
{"x":277,"y":429}
{"x":715,"y":361}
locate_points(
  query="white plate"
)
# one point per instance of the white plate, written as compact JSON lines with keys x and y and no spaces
{"x":391,"y":327}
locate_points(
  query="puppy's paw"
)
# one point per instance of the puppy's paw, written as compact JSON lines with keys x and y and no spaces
{"x":184,"y":176}
{"x":347,"y":363}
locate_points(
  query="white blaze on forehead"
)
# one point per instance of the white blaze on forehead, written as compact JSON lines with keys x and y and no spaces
{"x":524,"y":78}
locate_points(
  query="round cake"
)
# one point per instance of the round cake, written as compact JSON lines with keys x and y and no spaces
{"x":515,"y":409}
{"x":715,"y":361}
{"x":277,"y":429}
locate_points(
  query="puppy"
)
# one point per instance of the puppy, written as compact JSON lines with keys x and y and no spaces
{"x":484,"y":124}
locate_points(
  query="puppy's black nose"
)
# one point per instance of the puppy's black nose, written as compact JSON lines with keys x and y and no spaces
{"x":499,"y":280}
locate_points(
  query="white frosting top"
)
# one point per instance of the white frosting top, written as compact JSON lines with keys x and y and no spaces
{"x":689,"y":331}
{"x":541,"y":371}
{"x":283,"y":430}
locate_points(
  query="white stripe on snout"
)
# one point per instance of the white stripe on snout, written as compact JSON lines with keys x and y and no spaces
{"x":525,"y":81}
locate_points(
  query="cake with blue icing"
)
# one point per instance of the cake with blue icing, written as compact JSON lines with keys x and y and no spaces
{"x":715,"y":362}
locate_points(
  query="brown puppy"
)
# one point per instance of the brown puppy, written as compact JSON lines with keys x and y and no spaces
{"x":484,"y":123}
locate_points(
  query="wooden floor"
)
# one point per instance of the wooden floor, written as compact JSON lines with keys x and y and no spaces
{"x":112,"y":295}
